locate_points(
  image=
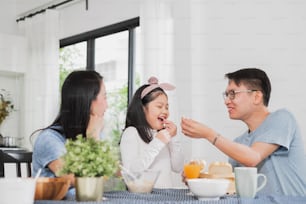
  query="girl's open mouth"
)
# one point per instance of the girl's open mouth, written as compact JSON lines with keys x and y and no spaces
{"x":162,"y":119}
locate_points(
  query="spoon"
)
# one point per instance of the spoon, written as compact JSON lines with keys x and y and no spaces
{"x":37,"y":174}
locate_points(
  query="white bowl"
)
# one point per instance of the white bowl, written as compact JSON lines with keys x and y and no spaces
{"x":17,"y":190}
{"x":208,"y":189}
{"x":143,"y":183}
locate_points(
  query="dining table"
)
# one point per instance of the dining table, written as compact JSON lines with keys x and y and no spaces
{"x":177,"y":196}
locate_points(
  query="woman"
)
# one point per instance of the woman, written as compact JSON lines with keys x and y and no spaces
{"x":81,"y":112}
{"x":148,"y":141}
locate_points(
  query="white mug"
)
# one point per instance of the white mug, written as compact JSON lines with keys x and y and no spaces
{"x":246,"y":181}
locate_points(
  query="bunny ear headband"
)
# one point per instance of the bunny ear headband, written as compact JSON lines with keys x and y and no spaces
{"x":153,"y":84}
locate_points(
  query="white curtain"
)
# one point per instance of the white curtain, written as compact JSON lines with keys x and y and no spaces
{"x":41,"y":82}
{"x":157,"y":32}
{"x":157,"y":44}
{"x":157,"y":50}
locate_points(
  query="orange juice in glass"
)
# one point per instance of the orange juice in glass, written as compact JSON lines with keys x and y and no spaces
{"x":192,"y":170}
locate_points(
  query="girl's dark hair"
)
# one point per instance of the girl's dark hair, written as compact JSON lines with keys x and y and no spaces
{"x":254,"y":79}
{"x":135,"y":114}
{"x":80,"y":88}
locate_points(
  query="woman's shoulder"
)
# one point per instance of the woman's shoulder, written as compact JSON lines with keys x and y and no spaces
{"x":49,"y":140}
{"x":50,"y":134}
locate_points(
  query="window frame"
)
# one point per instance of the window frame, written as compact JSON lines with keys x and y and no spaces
{"x":90,"y":36}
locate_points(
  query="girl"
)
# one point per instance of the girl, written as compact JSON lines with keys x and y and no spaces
{"x":148,"y":141}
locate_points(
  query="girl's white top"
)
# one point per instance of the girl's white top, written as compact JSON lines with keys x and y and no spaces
{"x":137,"y":155}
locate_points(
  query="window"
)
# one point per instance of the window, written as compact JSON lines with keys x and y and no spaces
{"x":109,"y":51}
{"x":72,"y":57}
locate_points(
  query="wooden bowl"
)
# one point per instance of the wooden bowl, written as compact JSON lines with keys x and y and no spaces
{"x":51,"y":188}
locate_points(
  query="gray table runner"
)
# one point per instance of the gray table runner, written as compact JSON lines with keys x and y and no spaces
{"x":177,"y":196}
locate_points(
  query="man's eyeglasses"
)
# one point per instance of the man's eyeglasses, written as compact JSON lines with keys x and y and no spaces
{"x":232,"y":94}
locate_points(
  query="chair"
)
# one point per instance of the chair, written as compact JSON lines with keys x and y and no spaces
{"x":17,"y":157}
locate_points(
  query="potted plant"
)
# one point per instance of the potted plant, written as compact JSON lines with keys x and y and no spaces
{"x":90,"y":160}
{"x":6,"y":105}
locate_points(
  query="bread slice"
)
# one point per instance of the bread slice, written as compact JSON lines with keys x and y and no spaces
{"x":222,"y":169}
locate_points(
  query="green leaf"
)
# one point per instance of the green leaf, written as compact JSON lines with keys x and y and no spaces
{"x":87,"y":157}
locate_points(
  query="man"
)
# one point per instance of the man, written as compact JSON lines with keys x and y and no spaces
{"x":273,"y":141}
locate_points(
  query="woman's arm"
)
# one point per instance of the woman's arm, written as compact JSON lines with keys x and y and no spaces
{"x":56,"y":165}
{"x":95,"y":126}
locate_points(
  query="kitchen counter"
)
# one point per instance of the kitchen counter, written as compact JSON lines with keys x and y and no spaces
{"x":2,"y":148}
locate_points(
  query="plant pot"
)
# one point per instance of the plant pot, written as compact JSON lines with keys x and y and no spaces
{"x":89,"y":188}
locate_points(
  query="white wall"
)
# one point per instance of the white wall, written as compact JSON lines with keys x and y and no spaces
{"x":211,"y":38}
{"x":226,"y":36}
{"x":7,"y":17}
{"x":10,"y":9}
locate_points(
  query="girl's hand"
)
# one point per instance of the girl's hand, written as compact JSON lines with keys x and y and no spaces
{"x":169,"y":131}
{"x":170,"y":127}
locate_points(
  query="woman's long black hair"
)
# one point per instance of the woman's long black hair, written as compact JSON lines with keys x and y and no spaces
{"x":80,"y":88}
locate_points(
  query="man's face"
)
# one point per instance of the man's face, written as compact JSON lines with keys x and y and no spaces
{"x":239,"y":101}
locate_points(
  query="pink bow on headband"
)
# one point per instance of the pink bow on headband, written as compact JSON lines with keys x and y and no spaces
{"x":153,"y":82}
